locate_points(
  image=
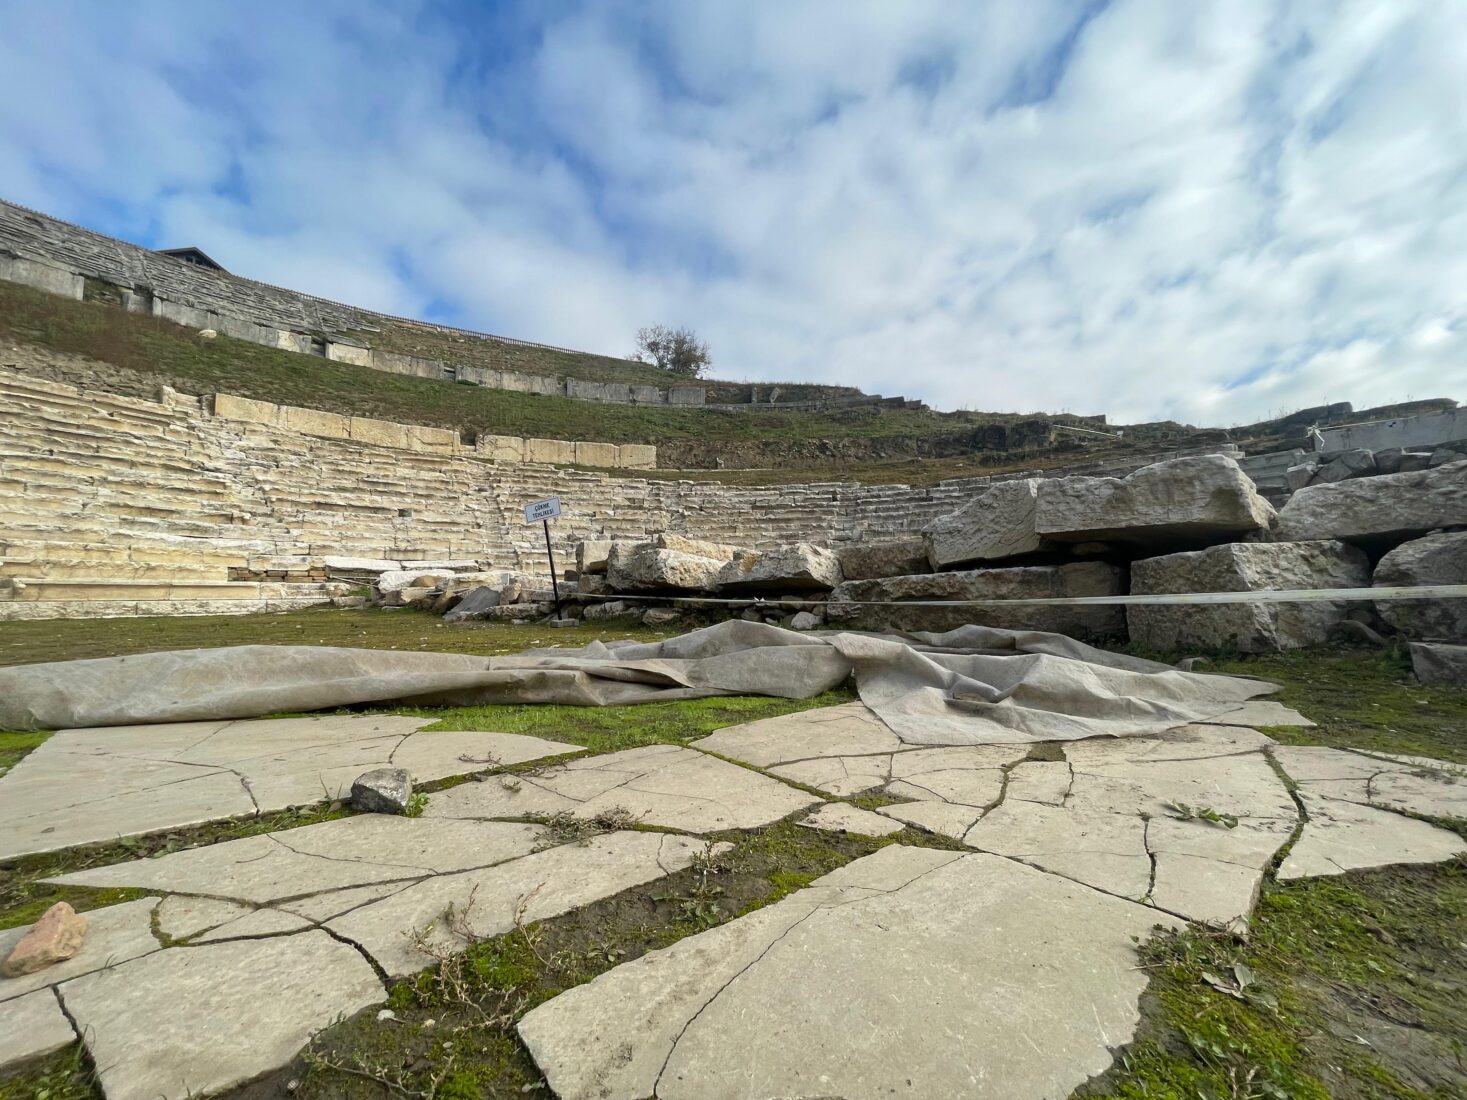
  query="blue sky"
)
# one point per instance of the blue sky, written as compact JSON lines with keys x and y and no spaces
{"x":1211,"y":212}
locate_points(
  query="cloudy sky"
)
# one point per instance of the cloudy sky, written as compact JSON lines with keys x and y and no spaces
{"x":1152,"y":209}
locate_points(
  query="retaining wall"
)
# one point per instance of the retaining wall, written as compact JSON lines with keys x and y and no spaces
{"x":52,"y":255}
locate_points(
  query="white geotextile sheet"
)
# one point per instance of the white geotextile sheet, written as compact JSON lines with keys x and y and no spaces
{"x":974,"y":685}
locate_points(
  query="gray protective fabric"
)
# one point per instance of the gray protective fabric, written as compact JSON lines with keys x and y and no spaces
{"x":975,"y":685}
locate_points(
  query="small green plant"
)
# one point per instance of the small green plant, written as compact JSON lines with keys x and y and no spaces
{"x":417,"y":803}
{"x":1183,"y":812}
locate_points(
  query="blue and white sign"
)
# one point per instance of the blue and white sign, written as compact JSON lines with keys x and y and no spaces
{"x":542,"y":510}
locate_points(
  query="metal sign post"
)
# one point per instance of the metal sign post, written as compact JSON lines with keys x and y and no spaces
{"x":543,"y":511}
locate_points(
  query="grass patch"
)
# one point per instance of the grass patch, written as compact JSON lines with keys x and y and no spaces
{"x":1358,"y":991}
{"x":28,"y":642}
{"x":1360,"y":699}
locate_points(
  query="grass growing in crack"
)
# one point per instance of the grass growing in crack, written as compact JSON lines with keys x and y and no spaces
{"x":24,"y":897}
{"x":473,"y":1051}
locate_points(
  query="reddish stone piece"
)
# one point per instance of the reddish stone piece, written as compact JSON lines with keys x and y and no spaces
{"x":56,"y":936}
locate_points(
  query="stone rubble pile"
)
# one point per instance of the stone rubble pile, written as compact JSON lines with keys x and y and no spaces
{"x":1189,"y":525}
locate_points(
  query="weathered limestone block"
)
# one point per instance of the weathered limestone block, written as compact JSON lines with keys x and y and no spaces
{"x":501,"y":448}
{"x":636,"y":456}
{"x":998,"y":523}
{"x":342,"y":352}
{"x":558,"y":452}
{"x":646,"y":567}
{"x":1244,"y":567}
{"x":799,"y":568}
{"x":864,"y":561}
{"x":1439,"y":665}
{"x":42,"y":275}
{"x":716,"y":550}
{"x":1031,"y":582}
{"x":592,"y":555}
{"x":315,"y":422}
{"x":1436,"y":559}
{"x":1182,"y":501}
{"x":603,"y":455}
{"x":1344,"y":466}
{"x":1373,"y":509}
{"x":383,"y":433}
{"x":439,"y":440}
{"x":229,"y":407}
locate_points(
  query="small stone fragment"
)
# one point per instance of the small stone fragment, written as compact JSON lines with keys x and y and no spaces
{"x":58,"y":935}
{"x":383,"y":791}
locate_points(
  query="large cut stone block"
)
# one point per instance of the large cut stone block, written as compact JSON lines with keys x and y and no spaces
{"x":1032,"y":582}
{"x":559,"y":452}
{"x":229,"y":407}
{"x":1436,"y":559}
{"x":864,"y":561}
{"x":998,"y":523}
{"x":1196,"y":500}
{"x":644,"y":567}
{"x":802,"y":567}
{"x":501,"y":448}
{"x":383,"y":433}
{"x":1244,"y":567}
{"x":1439,"y":665}
{"x":603,"y":455}
{"x":636,"y":456}
{"x":316,"y":422}
{"x":1375,"y":509}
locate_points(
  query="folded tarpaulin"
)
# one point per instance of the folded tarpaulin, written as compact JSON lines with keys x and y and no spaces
{"x":974,"y":685}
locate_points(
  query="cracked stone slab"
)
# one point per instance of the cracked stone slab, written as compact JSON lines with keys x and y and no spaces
{"x":922,"y":973}
{"x":115,"y":934}
{"x":1192,"y":742}
{"x":1413,"y":784}
{"x":1208,"y":872}
{"x":851,"y":729}
{"x":257,"y":923}
{"x":951,"y":819}
{"x":197,"y":1020}
{"x":1244,"y":785}
{"x":1262,"y":712}
{"x":90,"y":785}
{"x":842,"y":817}
{"x":1345,"y":836}
{"x":32,"y":1026}
{"x":664,"y":785}
{"x":180,"y":916}
{"x":1101,"y":849}
{"x":1045,"y":781}
{"x":490,"y":901}
{"x":317,"y":859}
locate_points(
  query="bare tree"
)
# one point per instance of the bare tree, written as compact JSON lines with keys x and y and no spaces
{"x":675,"y":350}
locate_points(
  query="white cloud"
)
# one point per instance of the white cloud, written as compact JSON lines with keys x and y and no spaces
{"x":1208,"y":212}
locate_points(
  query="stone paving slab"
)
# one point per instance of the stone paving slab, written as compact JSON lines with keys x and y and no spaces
{"x":1345,"y":836}
{"x":489,"y":902}
{"x":115,"y":934}
{"x":330,"y":856}
{"x":129,"y":780}
{"x":841,"y":817}
{"x":180,"y":916}
{"x":663,"y":785}
{"x":198,"y":1020}
{"x":921,"y":973}
{"x":32,"y":1026}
